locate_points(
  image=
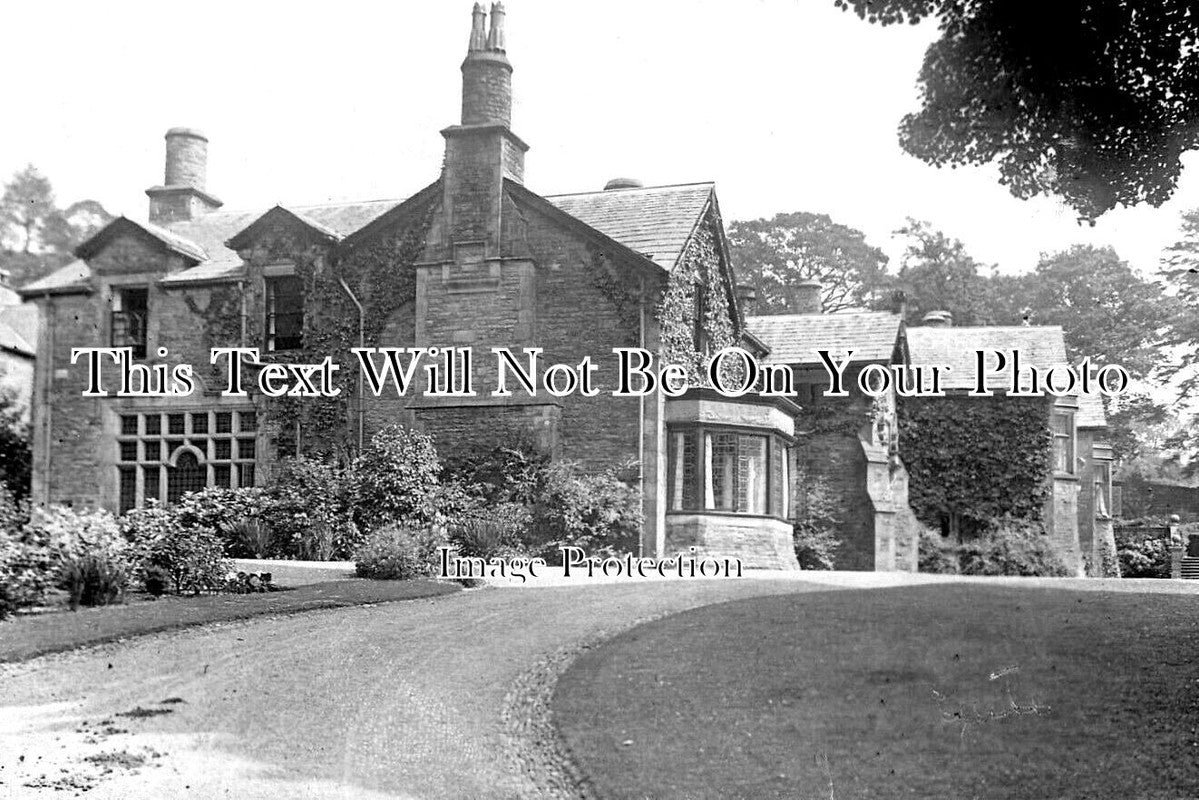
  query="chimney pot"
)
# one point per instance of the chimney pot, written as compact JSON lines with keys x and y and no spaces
{"x":937,"y":319}
{"x":478,"y":29}
{"x":805,"y":298}
{"x":622,"y":183}
{"x":495,"y":37}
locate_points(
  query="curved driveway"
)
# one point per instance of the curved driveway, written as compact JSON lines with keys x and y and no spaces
{"x":397,"y":700}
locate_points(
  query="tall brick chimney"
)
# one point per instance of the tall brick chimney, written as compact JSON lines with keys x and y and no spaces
{"x":183,"y":195}
{"x":481,"y":151}
{"x":805,"y":297}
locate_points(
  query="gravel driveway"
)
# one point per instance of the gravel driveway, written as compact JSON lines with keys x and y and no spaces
{"x":425,"y":698}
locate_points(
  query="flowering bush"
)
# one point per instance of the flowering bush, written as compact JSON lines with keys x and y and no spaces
{"x":1011,"y":547}
{"x":190,"y":557}
{"x":396,"y":552}
{"x":495,"y":531}
{"x":598,"y":513}
{"x":396,"y":479}
{"x":227,"y":511}
{"x":311,"y":510}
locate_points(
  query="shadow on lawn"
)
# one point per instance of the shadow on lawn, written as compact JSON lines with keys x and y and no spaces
{"x":937,"y":691}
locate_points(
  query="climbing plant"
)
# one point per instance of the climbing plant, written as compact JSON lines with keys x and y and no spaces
{"x":972,"y":460}
{"x":697,"y":288}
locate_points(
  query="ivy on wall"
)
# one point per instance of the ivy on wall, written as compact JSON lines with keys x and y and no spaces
{"x":696,"y":285}
{"x":382,"y":276}
{"x":971,"y":460}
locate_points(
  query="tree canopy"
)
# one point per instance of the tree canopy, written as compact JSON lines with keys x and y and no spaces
{"x":36,"y":235}
{"x":1094,"y":101}
{"x":773,"y":255}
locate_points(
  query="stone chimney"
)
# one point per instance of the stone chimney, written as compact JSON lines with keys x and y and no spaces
{"x":481,"y":151}
{"x":184,"y":194}
{"x":937,"y":319}
{"x":747,"y":298}
{"x":805,"y":297}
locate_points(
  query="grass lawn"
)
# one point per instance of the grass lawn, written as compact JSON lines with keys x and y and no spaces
{"x":29,"y":635}
{"x":945,"y":691}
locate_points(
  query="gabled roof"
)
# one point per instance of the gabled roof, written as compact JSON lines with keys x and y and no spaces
{"x":655,"y":221}
{"x":1041,"y":346}
{"x":215,"y":231}
{"x":123,"y":225}
{"x":65,"y":280}
{"x":796,"y":338}
{"x":545,"y":206}
{"x":274,"y":216}
{"x":11,"y":338}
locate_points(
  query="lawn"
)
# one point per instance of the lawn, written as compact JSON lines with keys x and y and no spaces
{"x":945,"y":691}
{"x":26,"y":636}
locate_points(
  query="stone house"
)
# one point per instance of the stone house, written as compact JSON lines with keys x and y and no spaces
{"x":473,"y":260}
{"x":849,"y":445}
{"x":1077,"y":476}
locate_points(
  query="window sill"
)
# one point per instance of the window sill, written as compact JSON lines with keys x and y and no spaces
{"x":712,"y":512}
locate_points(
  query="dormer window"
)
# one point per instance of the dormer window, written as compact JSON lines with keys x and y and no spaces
{"x":129,"y":309}
{"x":284,"y":313}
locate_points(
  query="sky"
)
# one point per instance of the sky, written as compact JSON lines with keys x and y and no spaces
{"x":788,"y":105}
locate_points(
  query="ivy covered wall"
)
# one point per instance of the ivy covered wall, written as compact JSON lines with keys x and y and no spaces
{"x":975,"y":459}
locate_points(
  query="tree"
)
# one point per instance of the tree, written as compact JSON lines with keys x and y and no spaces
{"x":36,"y":236}
{"x":25,"y":208}
{"x":1093,"y":101}
{"x":776,"y":254}
{"x":1108,"y":313}
{"x":937,"y":274}
{"x":1181,"y":274}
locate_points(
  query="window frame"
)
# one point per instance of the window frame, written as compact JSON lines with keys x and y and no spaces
{"x":699,"y":496}
{"x":157,"y":447}
{"x":271,"y":314}
{"x":1070,"y":440}
{"x":138,"y":341}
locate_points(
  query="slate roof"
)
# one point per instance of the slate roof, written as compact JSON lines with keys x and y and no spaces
{"x":1040,"y":346}
{"x":14,"y":342}
{"x":211,"y":231}
{"x":795,"y":338}
{"x":70,"y":278}
{"x":655,"y":221}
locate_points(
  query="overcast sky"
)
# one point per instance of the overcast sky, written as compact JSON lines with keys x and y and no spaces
{"x":787,"y":104}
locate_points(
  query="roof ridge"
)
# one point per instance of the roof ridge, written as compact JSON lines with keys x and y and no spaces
{"x":631,"y":189}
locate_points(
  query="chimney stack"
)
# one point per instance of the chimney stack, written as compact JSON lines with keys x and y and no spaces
{"x":747,"y":298}
{"x":482,"y":151}
{"x":486,"y":73}
{"x":805,"y":297}
{"x":183,"y":195}
{"x":938,"y":319}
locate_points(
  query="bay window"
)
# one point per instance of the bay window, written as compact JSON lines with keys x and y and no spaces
{"x":727,"y":470}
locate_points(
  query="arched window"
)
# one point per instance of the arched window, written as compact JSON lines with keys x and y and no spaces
{"x":188,"y":475}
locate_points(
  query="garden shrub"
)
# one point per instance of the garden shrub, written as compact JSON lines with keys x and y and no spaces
{"x":395,"y":479}
{"x":94,"y":580}
{"x":817,"y":521}
{"x":83,"y":552}
{"x":509,"y":469}
{"x":1011,"y":547}
{"x":398,"y":552}
{"x":310,"y":513}
{"x":191,"y":557}
{"x":228,"y":511}
{"x":494,"y":531}
{"x":596,"y":512}
{"x":935,"y":556}
{"x":1143,"y":553}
